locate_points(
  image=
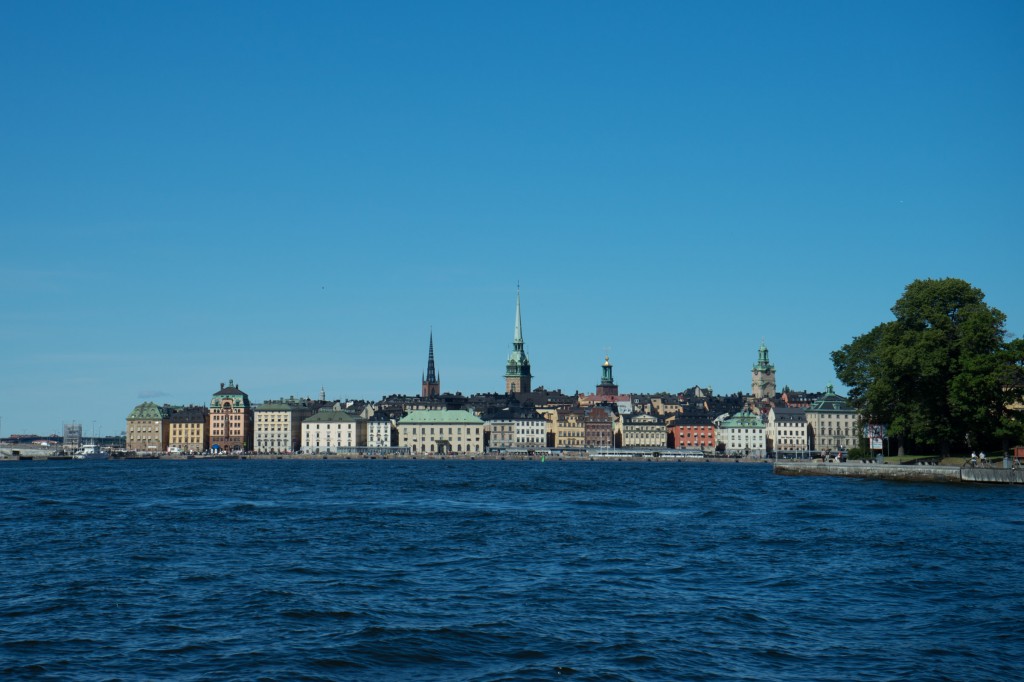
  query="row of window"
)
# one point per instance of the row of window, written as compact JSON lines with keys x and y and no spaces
{"x":423,"y":430}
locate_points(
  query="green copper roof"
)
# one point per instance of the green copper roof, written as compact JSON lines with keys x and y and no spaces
{"x":274,"y":407}
{"x":743,"y":420}
{"x":440,"y":417}
{"x":147,"y":411}
{"x":830,"y":402}
{"x":762,"y":363}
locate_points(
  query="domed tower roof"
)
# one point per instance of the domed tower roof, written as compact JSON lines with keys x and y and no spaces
{"x":237,"y":396}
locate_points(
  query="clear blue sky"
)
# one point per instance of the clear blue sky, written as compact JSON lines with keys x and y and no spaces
{"x":291,"y":194}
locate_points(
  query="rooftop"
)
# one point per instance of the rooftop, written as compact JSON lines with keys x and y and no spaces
{"x":441,"y":417}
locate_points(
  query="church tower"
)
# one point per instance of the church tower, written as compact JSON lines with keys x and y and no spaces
{"x":607,"y":386}
{"x":517,"y":369}
{"x":431,"y":382}
{"x":762,"y":381}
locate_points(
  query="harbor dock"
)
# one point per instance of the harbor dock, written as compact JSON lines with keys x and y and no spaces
{"x":925,"y":473}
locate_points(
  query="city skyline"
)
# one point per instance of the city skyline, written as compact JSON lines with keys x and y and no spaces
{"x":192,"y":194}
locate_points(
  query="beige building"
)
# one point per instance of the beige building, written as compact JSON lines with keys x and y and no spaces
{"x":189,"y":430}
{"x":550,"y":417}
{"x":642,"y":431}
{"x":833,"y":424}
{"x":277,"y":424}
{"x":570,"y":428}
{"x":516,"y":429}
{"x":665,"y":406}
{"x":441,"y":432}
{"x":148,"y":428}
{"x":329,"y":430}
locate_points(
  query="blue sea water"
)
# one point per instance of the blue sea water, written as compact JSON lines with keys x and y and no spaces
{"x":463,"y":570}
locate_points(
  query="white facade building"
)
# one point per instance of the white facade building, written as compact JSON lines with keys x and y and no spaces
{"x":441,"y":432}
{"x":744,"y":435}
{"x":787,"y":430}
{"x":834,"y":425}
{"x":525,"y":430}
{"x":328,"y":430}
{"x":379,"y":430}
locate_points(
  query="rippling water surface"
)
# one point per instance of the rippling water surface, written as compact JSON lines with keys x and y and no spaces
{"x":285,"y":570}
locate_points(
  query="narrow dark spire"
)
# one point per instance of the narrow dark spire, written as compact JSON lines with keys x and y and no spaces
{"x":431,"y":373}
{"x":431,"y":382}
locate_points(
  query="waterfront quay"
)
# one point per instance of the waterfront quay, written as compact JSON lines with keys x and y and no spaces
{"x":582,"y":455}
{"x":921,"y":473}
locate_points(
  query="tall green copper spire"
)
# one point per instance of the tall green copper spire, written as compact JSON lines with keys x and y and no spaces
{"x":517,"y":340}
{"x":517,"y":369}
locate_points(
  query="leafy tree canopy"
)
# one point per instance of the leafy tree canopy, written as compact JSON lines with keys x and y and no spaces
{"x":942,"y":373}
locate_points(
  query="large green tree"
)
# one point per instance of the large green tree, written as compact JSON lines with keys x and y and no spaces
{"x":942,"y":372}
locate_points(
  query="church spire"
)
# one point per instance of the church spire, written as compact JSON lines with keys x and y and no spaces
{"x":431,"y":374}
{"x":431,"y":382}
{"x":517,"y":340}
{"x":517,"y":369}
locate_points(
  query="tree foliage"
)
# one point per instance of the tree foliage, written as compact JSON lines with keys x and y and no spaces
{"x":942,"y":373}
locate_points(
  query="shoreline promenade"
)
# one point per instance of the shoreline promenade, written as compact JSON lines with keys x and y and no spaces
{"x":922,"y":473}
{"x":40,"y":454}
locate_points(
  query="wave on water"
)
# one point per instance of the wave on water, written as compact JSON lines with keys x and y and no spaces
{"x":501,"y":570}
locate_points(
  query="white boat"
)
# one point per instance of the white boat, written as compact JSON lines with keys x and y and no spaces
{"x":91,"y":451}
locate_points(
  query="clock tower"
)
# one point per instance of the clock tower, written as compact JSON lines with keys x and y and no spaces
{"x":762,"y":381}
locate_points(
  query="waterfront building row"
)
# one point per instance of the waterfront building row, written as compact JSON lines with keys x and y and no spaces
{"x":755,"y":426}
{"x":287,"y":425}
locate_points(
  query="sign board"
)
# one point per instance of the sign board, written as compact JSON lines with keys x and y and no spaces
{"x":875,"y":433}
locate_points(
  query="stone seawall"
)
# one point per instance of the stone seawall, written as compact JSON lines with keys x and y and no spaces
{"x":896,"y":472}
